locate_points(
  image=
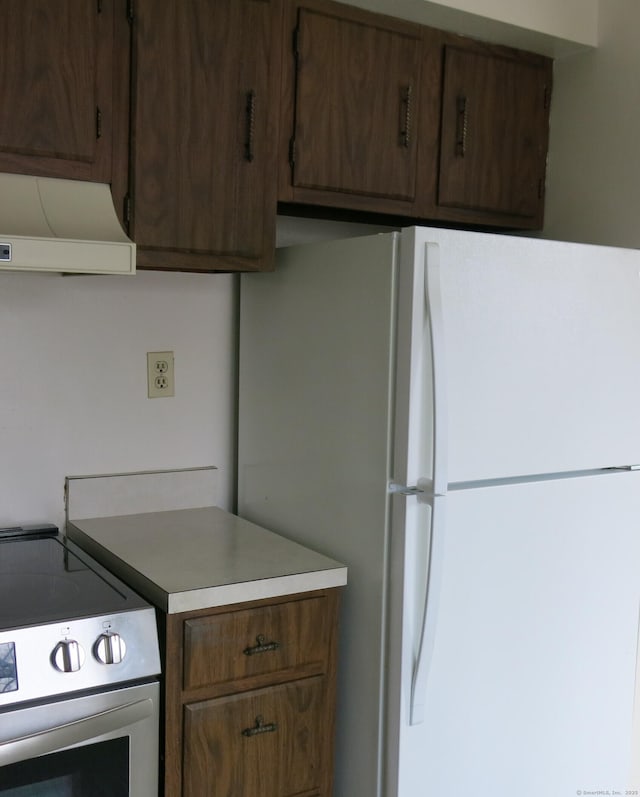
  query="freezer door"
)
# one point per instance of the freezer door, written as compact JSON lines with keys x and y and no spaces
{"x":531,"y":683}
{"x":538,"y":352}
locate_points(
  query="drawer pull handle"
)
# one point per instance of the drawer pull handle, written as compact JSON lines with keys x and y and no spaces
{"x":251,"y":125}
{"x":260,"y":727}
{"x":261,"y":646}
{"x":462,"y":125}
{"x":405,"y":132}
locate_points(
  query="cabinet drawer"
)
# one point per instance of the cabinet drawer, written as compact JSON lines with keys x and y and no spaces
{"x":264,"y":640}
{"x":266,"y":742}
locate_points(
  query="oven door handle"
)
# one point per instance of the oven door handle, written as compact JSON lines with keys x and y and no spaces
{"x":73,"y":733}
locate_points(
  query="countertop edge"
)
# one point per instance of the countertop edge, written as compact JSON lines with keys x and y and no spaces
{"x":245,"y":591}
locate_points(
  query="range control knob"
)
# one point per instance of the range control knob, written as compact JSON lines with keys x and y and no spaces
{"x":67,"y":656}
{"x":109,"y":648}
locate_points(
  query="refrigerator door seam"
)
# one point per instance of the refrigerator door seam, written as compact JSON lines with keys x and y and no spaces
{"x":541,"y":477}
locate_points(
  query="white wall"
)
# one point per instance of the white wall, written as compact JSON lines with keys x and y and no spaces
{"x":570,"y":19}
{"x":594,"y":163}
{"x":552,"y":27}
{"x":73,"y":390}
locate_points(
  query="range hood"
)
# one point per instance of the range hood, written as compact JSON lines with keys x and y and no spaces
{"x":49,"y":224}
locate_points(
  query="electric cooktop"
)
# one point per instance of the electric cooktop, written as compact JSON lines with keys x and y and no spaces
{"x":44,"y":578}
{"x":66,"y":623}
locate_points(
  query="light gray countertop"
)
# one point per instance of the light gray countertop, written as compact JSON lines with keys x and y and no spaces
{"x":189,"y":559}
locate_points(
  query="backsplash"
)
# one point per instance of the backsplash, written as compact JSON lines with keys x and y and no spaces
{"x":73,"y":382}
{"x":109,"y":495}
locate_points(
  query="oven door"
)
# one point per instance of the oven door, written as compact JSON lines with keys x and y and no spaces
{"x":97,"y":745}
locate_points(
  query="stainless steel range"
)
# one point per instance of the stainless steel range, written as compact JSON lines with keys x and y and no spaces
{"x":79,"y":661}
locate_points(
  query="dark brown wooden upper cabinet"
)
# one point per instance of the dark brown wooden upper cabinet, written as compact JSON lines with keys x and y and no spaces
{"x":64,"y":87}
{"x":385,"y":116}
{"x":354,"y":106}
{"x":203,"y":181}
{"x":494,"y":136}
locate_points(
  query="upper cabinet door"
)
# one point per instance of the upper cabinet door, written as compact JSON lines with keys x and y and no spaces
{"x":203,"y":179}
{"x":357,"y":82}
{"x":494,"y":134}
{"x":63,"y":105}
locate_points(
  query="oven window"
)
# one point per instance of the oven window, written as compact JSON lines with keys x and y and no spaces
{"x":94,"y":770}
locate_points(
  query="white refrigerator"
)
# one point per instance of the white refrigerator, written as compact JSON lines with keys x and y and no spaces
{"x":456,"y":416}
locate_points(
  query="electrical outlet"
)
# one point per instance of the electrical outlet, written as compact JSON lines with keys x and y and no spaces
{"x":160,"y":383}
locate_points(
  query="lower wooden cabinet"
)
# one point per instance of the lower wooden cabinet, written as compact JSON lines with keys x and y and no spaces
{"x":249,"y":698}
{"x":266,"y":742}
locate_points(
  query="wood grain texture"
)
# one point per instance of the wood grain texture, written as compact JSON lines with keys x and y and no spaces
{"x":494,"y":108}
{"x":171,"y":704}
{"x":356,"y":101}
{"x":200,"y":202}
{"x":344,"y":104}
{"x":59,"y":64}
{"x":338,"y":108}
{"x":283,"y":757}
{"x":214,"y":647}
{"x":121,"y":117}
{"x":202,"y":735}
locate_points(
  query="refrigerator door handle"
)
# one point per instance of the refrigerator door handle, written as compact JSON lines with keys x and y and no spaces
{"x":430,"y":612}
{"x":433,"y":309}
{"x":438,"y":486}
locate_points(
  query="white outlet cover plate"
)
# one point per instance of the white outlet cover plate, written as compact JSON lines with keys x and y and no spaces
{"x":160,"y":374}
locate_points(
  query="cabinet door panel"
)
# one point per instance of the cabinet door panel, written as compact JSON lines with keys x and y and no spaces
{"x":236,"y":645}
{"x":202,"y":150}
{"x":493,"y":143}
{"x":267,"y":742}
{"x":56,"y":83}
{"x":355,"y":109}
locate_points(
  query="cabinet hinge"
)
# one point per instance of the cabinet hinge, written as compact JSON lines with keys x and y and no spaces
{"x":296,"y":41}
{"x":126,"y":211}
{"x":130,"y":12}
{"x":292,"y":151}
{"x":541,"y":188}
{"x":98,"y":122}
{"x":547,"y":97}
